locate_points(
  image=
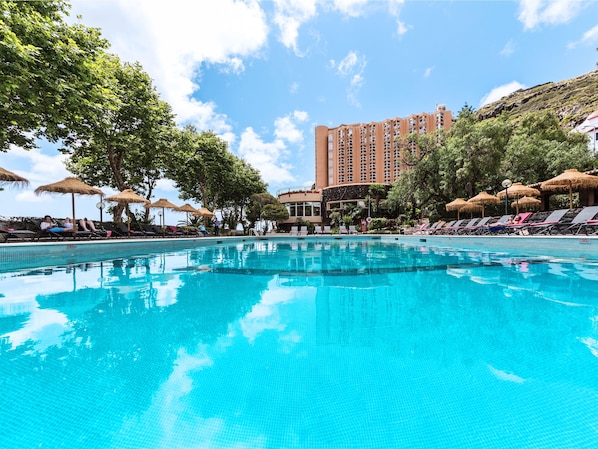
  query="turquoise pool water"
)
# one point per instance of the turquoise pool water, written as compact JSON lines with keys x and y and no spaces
{"x":301,"y":344}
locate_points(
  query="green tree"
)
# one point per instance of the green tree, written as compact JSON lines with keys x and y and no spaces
{"x":540,"y":149}
{"x":257,"y":205}
{"x":274,"y":213}
{"x":127,"y":143}
{"x":199,"y":165}
{"x":377,"y":192}
{"x":47,"y":72}
{"x":240,"y":183}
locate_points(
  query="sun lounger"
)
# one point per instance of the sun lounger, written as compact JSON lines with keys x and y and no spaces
{"x":294,"y":230}
{"x":20,"y":234}
{"x":432,"y":228}
{"x":498,"y":226}
{"x":546,"y":226}
{"x":476,"y":226}
{"x":469,"y":226}
{"x":318,"y":229}
{"x":327,"y":229}
{"x":452,"y":228}
{"x":441,"y":227}
{"x":579,"y":222}
{"x":517,"y":227}
{"x":303,"y":230}
{"x":342,"y":229}
{"x":352,"y":229}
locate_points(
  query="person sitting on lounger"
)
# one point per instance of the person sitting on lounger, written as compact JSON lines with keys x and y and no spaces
{"x":49,"y":226}
{"x":87,"y":225}
{"x":203,"y":230}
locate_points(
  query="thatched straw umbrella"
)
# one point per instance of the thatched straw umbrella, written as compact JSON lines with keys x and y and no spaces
{"x":517,"y":190}
{"x":483,"y":198}
{"x":204,"y":212}
{"x":527,"y":202}
{"x":188,"y":209}
{"x":456,"y":205}
{"x":163,"y":204}
{"x":70,"y":185}
{"x":572,"y":179}
{"x":8,"y":177}
{"x":471,"y":208}
{"x":124,"y":198}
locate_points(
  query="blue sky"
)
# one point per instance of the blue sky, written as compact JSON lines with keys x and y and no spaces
{"x":264,"y":74}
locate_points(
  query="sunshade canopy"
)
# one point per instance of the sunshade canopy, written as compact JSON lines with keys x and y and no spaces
{"x":70,"y":185}
{"x":570,"y":180}
{"x":7,"y":176}
{"x":517,"y":190}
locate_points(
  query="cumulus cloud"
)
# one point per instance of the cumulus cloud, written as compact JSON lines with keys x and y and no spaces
{"x":289,"y":15}
{"x":265,"y":157}
{"x":351,"y":66}
{"x":270,"y":157}
{"x":534,"y":13}
{"x":428,"y":71}
{"x":498,"y":92}
{"x":172,"y":44}
{"x":286,"y":127}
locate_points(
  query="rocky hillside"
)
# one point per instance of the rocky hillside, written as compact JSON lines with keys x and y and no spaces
{"x":572,"y":100}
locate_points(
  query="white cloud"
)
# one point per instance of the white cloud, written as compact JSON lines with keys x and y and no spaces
{"x":498,"y":92}
{"x":286,"y":128}
{"x":173,"y":42}
{"x":508,"y":49}
{"x":289,"y":15}
{"x":428,"y":72}
{"x":394,"y":8}
{"x":269,"y":158}
{"x":350,"y":8}
{"x":265,"y":157}
{"x":352,"y":66}
{"x":534,"y":13}
{"x":589,"y":37}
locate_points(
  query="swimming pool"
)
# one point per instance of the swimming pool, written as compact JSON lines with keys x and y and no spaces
{"x":312,"y":343}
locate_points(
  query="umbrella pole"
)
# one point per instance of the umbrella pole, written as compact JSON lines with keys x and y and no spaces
{"x":570,"y":196}
{"x":74,"y":220}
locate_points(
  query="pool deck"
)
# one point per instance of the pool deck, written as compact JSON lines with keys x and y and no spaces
{"x":19,"y":255}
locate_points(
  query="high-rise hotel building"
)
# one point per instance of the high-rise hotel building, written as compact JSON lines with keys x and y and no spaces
{"x":370,"y":153}
{"x":349,"y":158}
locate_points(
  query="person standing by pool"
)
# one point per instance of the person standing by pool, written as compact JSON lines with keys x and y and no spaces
{"x":216,"y":226}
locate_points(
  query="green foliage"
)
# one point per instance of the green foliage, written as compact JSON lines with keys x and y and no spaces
{"x":48,"y":72}
{"x":335,"y":219}
{"x":203,"y":169}
{"x":378,"y":223}
{"x":275,"y":212}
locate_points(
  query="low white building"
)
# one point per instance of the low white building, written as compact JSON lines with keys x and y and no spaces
{"x":590,"y":127}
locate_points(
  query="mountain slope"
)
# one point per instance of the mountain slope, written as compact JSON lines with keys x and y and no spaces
{"x":572,"y":100}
